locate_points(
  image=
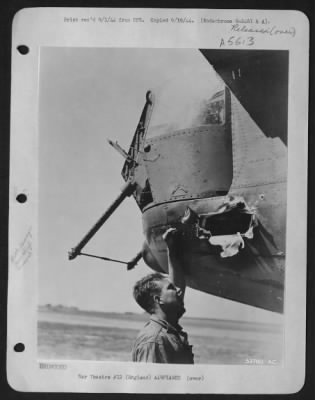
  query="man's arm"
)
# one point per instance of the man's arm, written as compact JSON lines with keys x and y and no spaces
{"x":174,"y":253}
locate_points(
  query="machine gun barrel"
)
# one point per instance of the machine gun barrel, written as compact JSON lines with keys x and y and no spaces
{"x":127,"y":191}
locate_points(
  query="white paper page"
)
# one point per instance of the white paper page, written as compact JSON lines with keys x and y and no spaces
{"x":228,"y":117}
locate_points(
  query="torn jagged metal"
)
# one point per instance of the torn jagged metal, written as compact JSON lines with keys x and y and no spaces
{"x":227,"y":227}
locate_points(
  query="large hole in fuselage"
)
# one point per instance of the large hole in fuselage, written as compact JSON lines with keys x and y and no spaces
{"x":228,"y":223}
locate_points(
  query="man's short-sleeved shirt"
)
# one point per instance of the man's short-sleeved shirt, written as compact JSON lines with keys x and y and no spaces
{"x":160,"y":342}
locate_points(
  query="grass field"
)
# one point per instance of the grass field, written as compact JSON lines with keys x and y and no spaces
{"x":84,"y":336}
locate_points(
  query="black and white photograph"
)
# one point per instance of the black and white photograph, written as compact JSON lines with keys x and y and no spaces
{"x":166,"y":168}
{"x":158,"y":213}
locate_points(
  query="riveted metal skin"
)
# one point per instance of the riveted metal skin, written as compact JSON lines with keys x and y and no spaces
{"x":190,"y":163}
{"x":259,"y":168}
{"x":192,"y":167}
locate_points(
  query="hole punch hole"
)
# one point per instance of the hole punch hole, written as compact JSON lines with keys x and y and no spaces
{"x":19,"y":347}
{"x":21,"y":198}
{"x":22,"y":49}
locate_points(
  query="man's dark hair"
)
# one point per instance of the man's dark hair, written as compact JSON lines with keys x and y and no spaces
{"x":145,"y":290}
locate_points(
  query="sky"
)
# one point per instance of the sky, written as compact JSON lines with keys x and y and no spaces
{"x":86,"y":96}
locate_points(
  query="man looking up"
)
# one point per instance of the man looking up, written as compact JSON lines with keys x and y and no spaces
{"x":162,"y":340}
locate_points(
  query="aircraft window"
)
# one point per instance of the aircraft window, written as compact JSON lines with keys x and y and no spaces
{"x":187,"y":98}
{"x":213,"y":110}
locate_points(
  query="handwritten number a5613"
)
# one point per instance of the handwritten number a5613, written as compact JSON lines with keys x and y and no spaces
{"x":238,"y":41}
